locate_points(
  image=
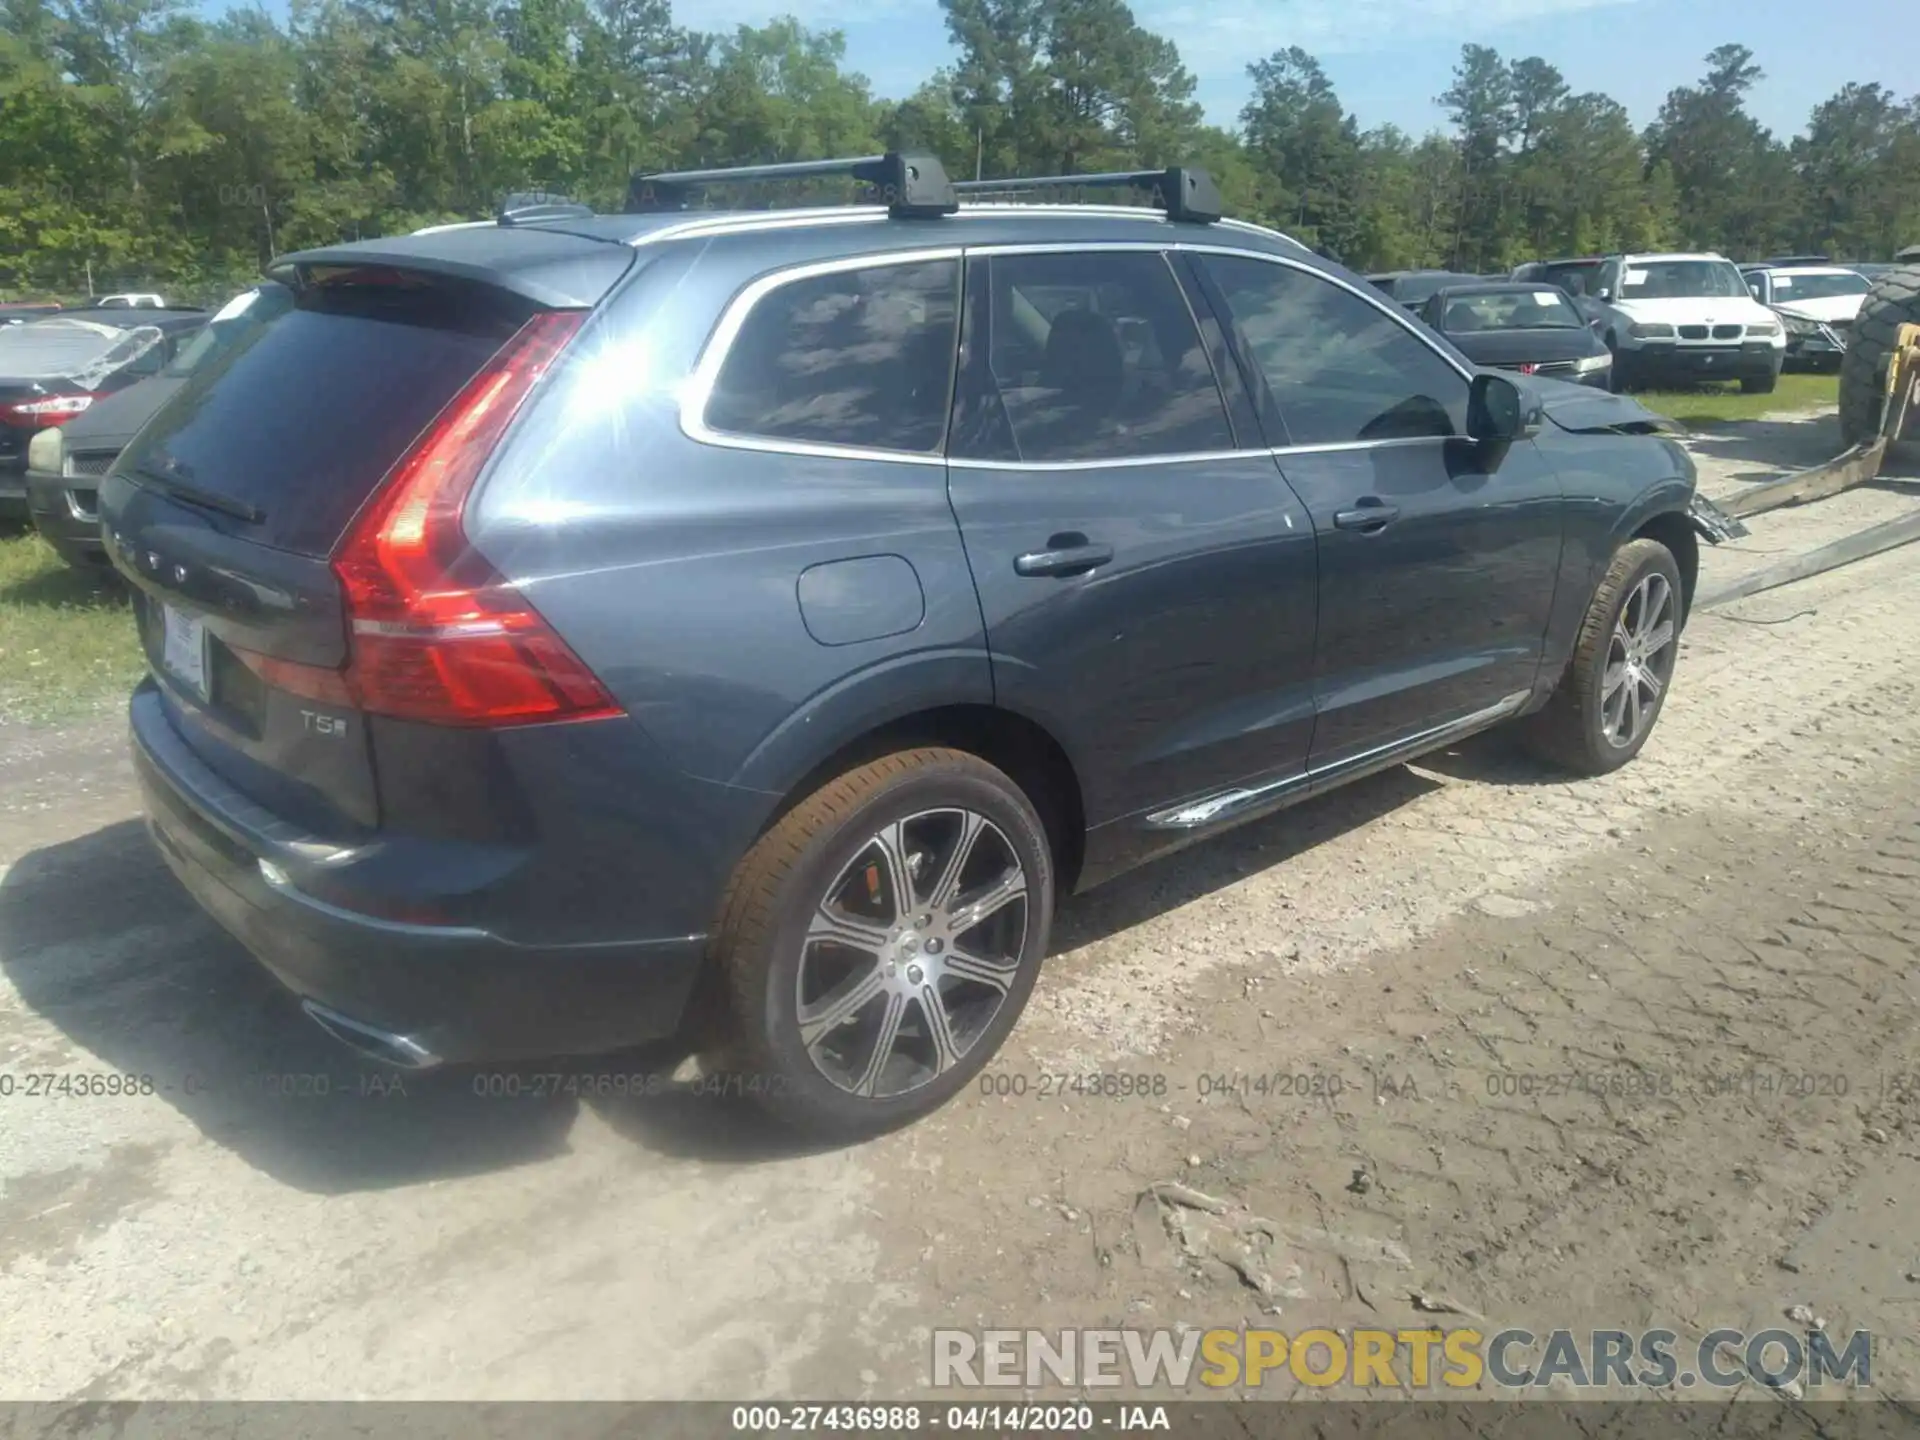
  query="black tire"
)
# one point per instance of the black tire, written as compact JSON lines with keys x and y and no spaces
{"x":1759,"y":384}
{"x":796,"y":867}
{"x":1893,"y":301}
{"x":1569,"y":731}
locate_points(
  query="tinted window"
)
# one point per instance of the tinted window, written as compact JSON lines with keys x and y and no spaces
{"x":302,"y":415}
{"x":1340,"y":368}
{"x":859,"y":357}
{"x":1090,"y":356}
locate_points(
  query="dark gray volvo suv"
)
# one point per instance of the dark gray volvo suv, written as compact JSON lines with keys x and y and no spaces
{"x":552,"y":618}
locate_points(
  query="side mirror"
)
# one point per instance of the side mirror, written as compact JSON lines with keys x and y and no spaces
{"x":1603,"y":293}
{"x":1496,"y":410}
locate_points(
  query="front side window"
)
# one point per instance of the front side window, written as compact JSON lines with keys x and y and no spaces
{"x":1340,"y":369}
{"x":1089,"y":356}
{"x":860,"y":358}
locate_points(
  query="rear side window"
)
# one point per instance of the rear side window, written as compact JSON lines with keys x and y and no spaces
{"x":1091,"y":356}
{"x":1340,"y":369}
{"x":310,"y":405}
{"x":860,"y":358}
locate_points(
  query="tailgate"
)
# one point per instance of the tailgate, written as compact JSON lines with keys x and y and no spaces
{"x":225,"y":510}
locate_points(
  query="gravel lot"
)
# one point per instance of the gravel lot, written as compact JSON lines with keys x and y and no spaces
{"x":1744,"y":900}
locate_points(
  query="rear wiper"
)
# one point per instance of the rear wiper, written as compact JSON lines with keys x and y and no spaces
{"x":194,"y":495}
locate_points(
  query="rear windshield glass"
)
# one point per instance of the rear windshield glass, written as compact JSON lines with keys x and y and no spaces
{"x":1572,"y":278}
{"x":1788,"y":288}
{"x":314,"y":399}
{"x":59,"y":349}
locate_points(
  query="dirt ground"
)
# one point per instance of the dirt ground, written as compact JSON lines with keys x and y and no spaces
{"x":1348,"y":1019}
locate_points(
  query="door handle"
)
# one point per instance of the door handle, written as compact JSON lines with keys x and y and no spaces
{"x":1368,"y":516}
{"x":1065,"y":555}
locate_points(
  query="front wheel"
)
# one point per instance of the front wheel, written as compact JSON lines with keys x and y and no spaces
{"x":881,"y":940}
{"x":1759,"y":384}
{"x":1614,"y":687}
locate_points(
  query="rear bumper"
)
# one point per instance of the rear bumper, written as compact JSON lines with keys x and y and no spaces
{"x":450,"y":993}
{"x":51,"y":503}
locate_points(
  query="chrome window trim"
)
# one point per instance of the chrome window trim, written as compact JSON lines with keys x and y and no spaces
{"x":698,"y":390}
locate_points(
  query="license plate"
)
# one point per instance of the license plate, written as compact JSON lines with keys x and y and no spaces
{"x":183,"y":651}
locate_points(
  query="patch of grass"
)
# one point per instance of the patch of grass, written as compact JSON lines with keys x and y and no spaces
{"x":1717,"y":404}
{"x":67,"y":641}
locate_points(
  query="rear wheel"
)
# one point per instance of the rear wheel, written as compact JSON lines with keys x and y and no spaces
{"x":880,"y":942}
{"x":1614,"y":687}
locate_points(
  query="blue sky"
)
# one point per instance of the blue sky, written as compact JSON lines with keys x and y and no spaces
{"x":1389,"y":58}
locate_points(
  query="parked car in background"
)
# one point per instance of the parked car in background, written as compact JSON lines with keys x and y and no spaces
{"x":56,"y":368}
{"x":129,"y":300}
{"x":19,"y":312}
{"x":1573,"y":276}
{"x":1679,"y":318}
{"x":1534,"y":329}
{"x":1816,"y":304}
{"x":64,"y":465}
{"x":1908,"y":256}
{"x":1412,"y":288}
{"x":550,"y":623}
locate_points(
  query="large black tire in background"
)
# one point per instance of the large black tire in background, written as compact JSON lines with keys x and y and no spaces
{"x":1894,"y":301}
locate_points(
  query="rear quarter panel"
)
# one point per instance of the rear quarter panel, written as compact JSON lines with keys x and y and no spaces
{"x":674,"y":567}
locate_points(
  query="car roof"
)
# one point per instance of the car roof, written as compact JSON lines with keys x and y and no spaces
{"x":1802,"y":269}
{"x":1652,"y":258}
{"x":573,"y":260}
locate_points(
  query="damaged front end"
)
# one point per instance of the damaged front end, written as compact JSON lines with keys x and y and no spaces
{"x":1711,"y":522}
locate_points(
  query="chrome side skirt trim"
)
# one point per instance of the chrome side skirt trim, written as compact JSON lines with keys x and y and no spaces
{"x":1242,"y":801}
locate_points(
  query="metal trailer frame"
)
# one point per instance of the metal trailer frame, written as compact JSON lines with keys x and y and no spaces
{"x":1856,"y":465}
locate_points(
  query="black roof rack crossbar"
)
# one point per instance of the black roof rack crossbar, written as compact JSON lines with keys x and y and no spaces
{"x":909,"y":184}
{"x":1184,"y":192}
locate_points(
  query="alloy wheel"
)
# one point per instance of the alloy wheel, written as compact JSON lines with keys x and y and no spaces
{"x":911,"y":952}
{"x":1639,"y":661}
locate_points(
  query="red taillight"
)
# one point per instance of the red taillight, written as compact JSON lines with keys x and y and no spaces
{"x":436,"y":634}
{"x":46,"y":412}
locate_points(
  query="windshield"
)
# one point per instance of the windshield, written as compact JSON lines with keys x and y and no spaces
{"x":1682,"y":280}
{"x":1573,"y":277}
{"x":1414,"y":289}
{"x":1510,"y":310}
{"x":1789,"y":288}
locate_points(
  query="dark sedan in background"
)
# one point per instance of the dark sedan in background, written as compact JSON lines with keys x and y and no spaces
{"x":64,"y":466}
{"x":1534,"y":329}
{"x":55,"y":369}
{"x":1412,"y":288}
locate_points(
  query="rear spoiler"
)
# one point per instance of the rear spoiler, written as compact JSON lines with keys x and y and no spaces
{"x":554,"y":269}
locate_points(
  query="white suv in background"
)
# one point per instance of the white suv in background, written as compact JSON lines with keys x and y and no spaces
{"x":1678,"y":318}
{"x":1817,"y":303}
